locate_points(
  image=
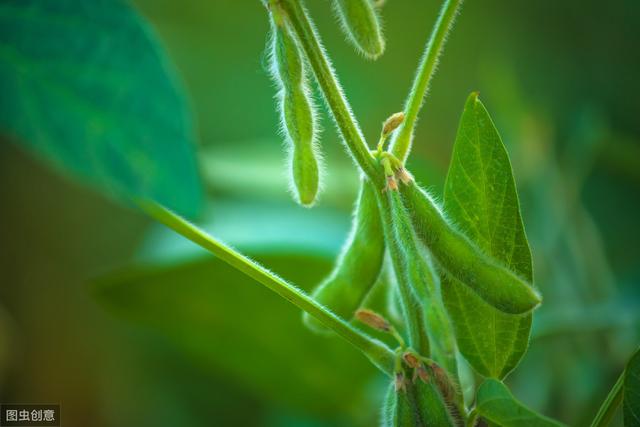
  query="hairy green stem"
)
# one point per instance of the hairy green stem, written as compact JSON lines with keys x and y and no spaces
{"x":472,"y":418}
{"x":328,"y":82}
{"x":402,"y":142}
{"x":610,"y":404}
{"x":379,"y":354}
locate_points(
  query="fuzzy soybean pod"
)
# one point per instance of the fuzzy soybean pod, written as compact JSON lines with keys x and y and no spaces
{"x":298,"y":117}
{"x":359,"y":264}
{"x":423,"y":284}
{"x":461,"y":258}
{"x":418,"y":404}
{"x":431,"y":407}
{"x":360,"y":21}
{"x":396,"y":409}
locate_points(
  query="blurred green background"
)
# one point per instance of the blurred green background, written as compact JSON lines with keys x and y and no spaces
{"x":123,"y":323}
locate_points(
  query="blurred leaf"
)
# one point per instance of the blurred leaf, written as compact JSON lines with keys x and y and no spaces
{"x":8,"y":344}
{"x":480,"y":197}
{"x":614,"y":315}
{"x":631,"y":402}
{"x":263,"y":228}
{"x":87,"y":87}
{"x":258,"y":172}
{"x":225,"y":322}
{"x":496,"y":404}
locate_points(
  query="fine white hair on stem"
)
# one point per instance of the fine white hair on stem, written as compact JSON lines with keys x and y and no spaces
{"x":337,"y":87}
{"x":402,"y":140}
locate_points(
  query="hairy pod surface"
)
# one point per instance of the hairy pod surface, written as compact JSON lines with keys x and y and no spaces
{"x":419,"y":405}
{"x":488,"y":279}
{"x":397,"y":410}
{"x":431,"y":407}
{"x":286,"y":54}
{"x":423,"y":281}
{"x":411,"y":305}
{"x":359,"y":264}
{"x":298,"y":116}
{"x":360,"y":21}
{"x":305,"y":168}
{"x":404,"y":234}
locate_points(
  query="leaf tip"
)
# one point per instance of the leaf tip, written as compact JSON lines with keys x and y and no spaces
{"x":474,"y":97}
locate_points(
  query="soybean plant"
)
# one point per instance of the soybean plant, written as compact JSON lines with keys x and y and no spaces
{"x":463,"y":276}
{"x":460,"y":271}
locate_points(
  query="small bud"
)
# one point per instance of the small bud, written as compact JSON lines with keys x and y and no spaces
{"x":392,"y":184}
{"x":392,"y":123}
{"x":422,"y":373}
{"x":404,"y":176}
{"x":400,"y":382}
{"x":373,"y":319}
{"x":414,"y":362}
{"x":411,"y":360}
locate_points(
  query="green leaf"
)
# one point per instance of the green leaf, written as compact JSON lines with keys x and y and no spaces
{"x":480,"y":197}
{"x":631,"y":399}
{"x":496,"y":404}
{"x":625,"y":390}
{"x":86,"y":87}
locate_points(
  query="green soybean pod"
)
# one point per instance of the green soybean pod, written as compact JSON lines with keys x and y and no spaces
{"x":423,"y":282}
{"x":305,"y":168}
{"x":397,"y":410}
{"x":287,"y":64}
{"x":419,"y":404}
{"x":461,"y":258}
{"x":298,"y":116}
{"x":404,"y":234}
{"x":361,"y":24}
{"x":431,"y":406}
{"x":359,"y":264}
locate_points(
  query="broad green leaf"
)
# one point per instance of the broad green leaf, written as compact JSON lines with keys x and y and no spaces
{"x":496,"y":404}
{"x":480,"y":197}
{"x":631,"y":399}
{"x":86,"y":87}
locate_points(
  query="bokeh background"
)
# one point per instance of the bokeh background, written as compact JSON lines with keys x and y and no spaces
{"x":124,"y":324}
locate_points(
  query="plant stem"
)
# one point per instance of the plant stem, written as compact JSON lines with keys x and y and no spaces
{"x":379,"y":354}
{"x":328,"y":82}
{"x":412,"y":310}
{"x":472,"y":418}
{"x":402,"y":142}
{"x":610,"y":404}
